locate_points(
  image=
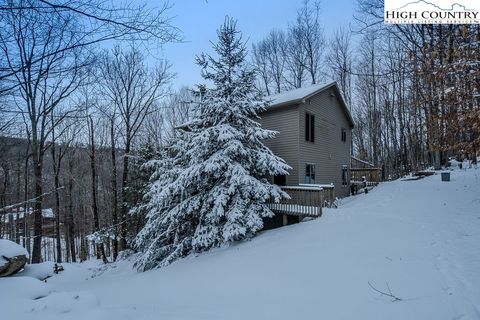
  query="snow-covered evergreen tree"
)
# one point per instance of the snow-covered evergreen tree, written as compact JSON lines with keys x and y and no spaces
{"x":209,"y":188}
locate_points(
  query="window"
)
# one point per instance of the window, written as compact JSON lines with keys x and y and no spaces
{"x":310,"y":173}
{"x":344,"y":176}
{"x":280,"y":180}
{"x":344,"y":135}
{"x":309,"y":127}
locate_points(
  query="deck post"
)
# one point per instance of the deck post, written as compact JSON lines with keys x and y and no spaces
{"x":321,"y":203}
{"x":285,"y":220}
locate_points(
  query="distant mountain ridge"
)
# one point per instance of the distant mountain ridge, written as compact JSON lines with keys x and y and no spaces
{"x":436,"y":6}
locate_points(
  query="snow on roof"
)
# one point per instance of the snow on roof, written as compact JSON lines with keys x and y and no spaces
{"x":300,"y":95}
{"x":296,"y":95}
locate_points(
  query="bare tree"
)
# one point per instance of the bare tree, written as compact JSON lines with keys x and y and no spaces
{"x":178,"y":110}
{"x":109,"y":111}
{"x":94,"y":181}
{"x":308,"y":27}
{"x":100,"y":21}
{"x":286,"y":60}
{"x":269,"y":56}
{"x":261,"y":63}
{"x":41,"y":87}
{"x":340,"y":62}
{"x":135,"y":92}
{"x":276,"y":44}
{"x":371,"y":90}
{"x":296,"y":58}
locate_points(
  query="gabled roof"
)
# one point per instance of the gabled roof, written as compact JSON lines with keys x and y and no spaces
{"x":298,"y":96}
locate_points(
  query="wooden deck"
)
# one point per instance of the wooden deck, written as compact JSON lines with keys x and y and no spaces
{"x":371,"y":174}
{"x":305,"y":201}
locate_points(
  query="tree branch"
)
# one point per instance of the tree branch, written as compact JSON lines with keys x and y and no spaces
{"x":388,"y":294}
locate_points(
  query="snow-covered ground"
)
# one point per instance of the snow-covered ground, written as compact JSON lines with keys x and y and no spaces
{"x":419,"y":240}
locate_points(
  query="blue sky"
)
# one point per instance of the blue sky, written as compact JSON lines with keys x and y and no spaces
{"x":199,"y":19}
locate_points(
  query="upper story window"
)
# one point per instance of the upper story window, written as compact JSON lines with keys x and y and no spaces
{"x":309,"y":127}
{"x":310,"y":173}
{"x":344,"y":135}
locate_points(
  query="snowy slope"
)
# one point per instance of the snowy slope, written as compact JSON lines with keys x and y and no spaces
{"x":421,"y":237}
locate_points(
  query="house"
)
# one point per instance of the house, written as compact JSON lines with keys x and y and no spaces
{"x":315,"y":130}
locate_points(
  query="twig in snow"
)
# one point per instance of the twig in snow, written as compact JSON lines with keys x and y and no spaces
{"x":388,"y":294}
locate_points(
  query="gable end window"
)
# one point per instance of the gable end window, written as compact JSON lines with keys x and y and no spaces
{"x":309,"y":127}
{"x":309,"y":173}
{"x":344,"y":135}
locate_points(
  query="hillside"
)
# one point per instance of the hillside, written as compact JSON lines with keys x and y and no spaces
{"x":418,"y":240}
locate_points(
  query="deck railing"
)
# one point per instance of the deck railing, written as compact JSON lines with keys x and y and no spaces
{"x":328,"y":191}
{"x":304,"y":201}
{"x":371,"y":174}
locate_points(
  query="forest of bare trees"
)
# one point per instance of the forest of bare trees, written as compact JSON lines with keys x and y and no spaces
{"x":79,"y":116}
{"x":71,"y":115}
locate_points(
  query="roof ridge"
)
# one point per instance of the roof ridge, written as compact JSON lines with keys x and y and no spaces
{"x":310,"y":89}
{"x":297,"y":95}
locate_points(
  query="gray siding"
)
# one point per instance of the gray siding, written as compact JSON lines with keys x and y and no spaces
{"x":285,"y":120}
{"x":328,"y":152}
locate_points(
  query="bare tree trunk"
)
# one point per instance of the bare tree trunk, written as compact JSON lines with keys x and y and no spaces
{"x":123,"y":240}
{"x":100,"y":248}
{"x":70,"y":221}
{"x":67,"y":247}
{"x":26,"y":227}
{"x":114,"y":188}
{"x":17,"y":198}
{"x":56,"y":181}
{"x":37,"y":210}
{"x":3,"y":194}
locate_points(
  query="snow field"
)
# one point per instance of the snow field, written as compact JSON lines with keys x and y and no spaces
{"x":419,"y":239}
